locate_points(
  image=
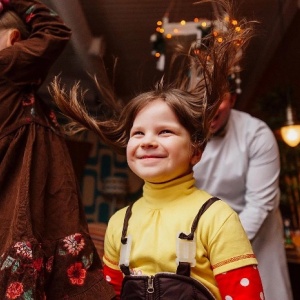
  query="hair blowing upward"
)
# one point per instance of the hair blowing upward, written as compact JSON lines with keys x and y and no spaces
{"x":194,"y":94}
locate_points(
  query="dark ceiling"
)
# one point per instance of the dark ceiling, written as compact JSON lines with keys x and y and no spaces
{"x":118,"y":29}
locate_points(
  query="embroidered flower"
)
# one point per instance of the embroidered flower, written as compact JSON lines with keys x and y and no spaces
{"x":136,"y":272}
{"x":14,"y":290}
{"x":53,"y":118}
{"x":37,"y":264}
{"x":7,"y":263}
{"x":24,"y":249}
{"x":74,"y":243}
{"x":29,"y":17}
{"x":28,"y":100}
{"x":76,"y":274}
{"x":49,"y":264}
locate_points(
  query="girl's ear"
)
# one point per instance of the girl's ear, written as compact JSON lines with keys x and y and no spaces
{"x":14,"y":35}
{"x":196,"y":156}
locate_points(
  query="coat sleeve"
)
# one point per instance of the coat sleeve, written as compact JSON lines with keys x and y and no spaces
{"x":35,"y":55}
{"x":262,"y":180}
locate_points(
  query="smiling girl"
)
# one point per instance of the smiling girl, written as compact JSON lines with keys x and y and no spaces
{"x":164,"y":133}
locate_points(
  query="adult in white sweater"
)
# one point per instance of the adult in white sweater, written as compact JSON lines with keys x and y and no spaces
{"x":241,"y":165}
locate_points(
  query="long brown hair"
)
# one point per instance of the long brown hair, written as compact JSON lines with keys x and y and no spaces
{"x":194,"y":94}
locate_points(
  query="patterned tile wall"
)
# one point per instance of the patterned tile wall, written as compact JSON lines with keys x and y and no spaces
{"x":101,"y":164}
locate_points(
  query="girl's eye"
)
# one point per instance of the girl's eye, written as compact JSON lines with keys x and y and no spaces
{"x":137,"y":133}
{"x":166,"y":131}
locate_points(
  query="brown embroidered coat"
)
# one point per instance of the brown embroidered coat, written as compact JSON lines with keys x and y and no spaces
{"x":45,"y":248}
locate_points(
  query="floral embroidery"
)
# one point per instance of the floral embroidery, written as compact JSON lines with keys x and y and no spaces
{"x":24,"y":260}
{"x":136,"y":272}
{"x":24,"y":249}
{"x":38,"y":264}
{"x":87,"y":260}
{"x":76,"y":274}
{"x":74,"y":243}
{"x":14,"y":290}
{"x":7,"y":262}
{"x":52,"y":13}
{"x":29,"y":17}
{"x":53,"y":118}
{"x":49,"y":264}
{"x":30,"y":14}
{"x":28,"y":100}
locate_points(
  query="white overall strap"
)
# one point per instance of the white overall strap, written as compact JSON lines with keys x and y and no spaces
{"x":186,"y":244}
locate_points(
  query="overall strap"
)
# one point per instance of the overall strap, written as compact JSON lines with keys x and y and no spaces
{"x":125,"y":267}
{"x":184,"y":268}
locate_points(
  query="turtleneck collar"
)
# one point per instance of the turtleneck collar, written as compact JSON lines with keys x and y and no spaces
{"x":160,"y":194}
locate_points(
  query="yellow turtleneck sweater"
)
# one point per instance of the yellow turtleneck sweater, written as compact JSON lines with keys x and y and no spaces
{"x":167,"y":209}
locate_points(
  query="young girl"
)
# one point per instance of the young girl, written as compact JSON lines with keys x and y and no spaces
{"x":45,"y":248}
{"x":164,"y":133}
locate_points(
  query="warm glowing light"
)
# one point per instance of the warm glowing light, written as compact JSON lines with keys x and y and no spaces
{"x":220,"y":40}
{"x":175,"y":30}
{"x":238,"y":29}
{"x":234,"y":22}
{"x":291,"y":135}
{"x":161,"y":30}
{"x":169,"y":36}
{"x":215,"y":33}
{"x":203,"y":24}
{"x":159,"y":23}
{"x":157,"y":54}
{"x":158,"y":29}
{"x":182,"y":22}
{"x":196,"y":20}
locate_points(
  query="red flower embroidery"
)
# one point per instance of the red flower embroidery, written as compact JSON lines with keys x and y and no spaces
{"x":14,"y":290}
{"x":37,"y":264}
{"x":77,"y":274}
{"x":28,"y":100}
{"x":29,"y":17}
{"x":49,"y":264}
{"x":53,"y":118}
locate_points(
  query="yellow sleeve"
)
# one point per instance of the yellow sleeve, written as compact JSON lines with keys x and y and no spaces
{"x":112,"y":241}
{"x":228,"y":246}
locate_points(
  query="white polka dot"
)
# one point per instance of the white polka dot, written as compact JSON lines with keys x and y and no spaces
{"x":108,"y":278}
{"x":261,"y":296}
{"x":254,"y":267}
{"x":228,"y":298}
{"x":244,"y":282}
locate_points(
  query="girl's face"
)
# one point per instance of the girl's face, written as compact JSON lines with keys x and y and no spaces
{"x":159,"y":147}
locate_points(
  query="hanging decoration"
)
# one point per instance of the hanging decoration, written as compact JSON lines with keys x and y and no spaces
{"x":166,"y":31}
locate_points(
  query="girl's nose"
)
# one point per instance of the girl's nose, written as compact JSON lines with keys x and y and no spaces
{"x":148,"y":142}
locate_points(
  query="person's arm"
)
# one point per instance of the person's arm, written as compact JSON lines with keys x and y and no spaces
{"x":115,"y":278}
{"x":35,"y":55}
{"x":262,"y":187}
{"x":241,"y":284}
